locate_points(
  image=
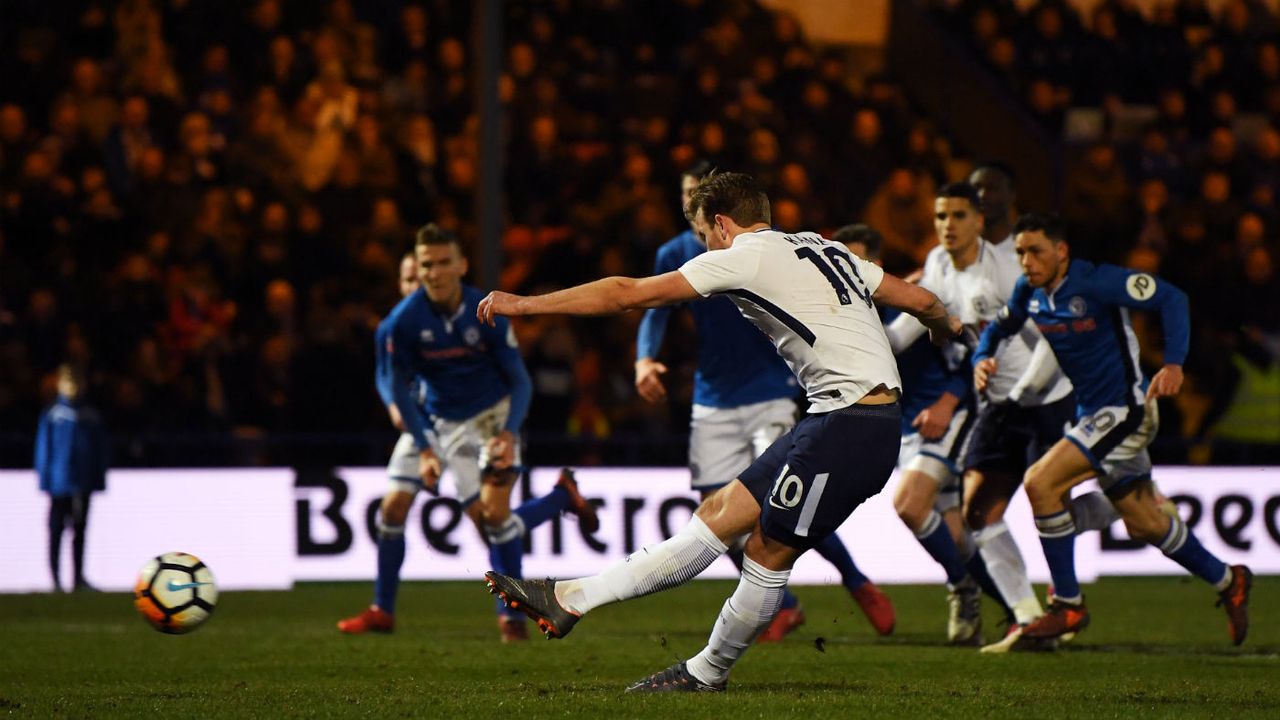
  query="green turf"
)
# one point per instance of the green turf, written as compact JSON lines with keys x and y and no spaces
{"x":1157,"y":648}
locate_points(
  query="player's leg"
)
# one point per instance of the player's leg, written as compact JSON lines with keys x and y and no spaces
{"x":1129,"y":486}
{"x":757,"y":427}
{"x":814,"y":493}
{"x":557,"y":605}
{"x":987,"y":494}
{"x":722,"y":518}
{"x":914,"y":503}
{"x":748,"y":611}
{"x":79,"y":522}
{"x":59,"y":512}
{"x":1048,"y":482}
{"x":1145,"y":521}
{"x":1092,"y":510}
{"x":994,"y":462}
{"x":720,"y":447}
{"x":726,"y":515}
{"x":402,"y":488}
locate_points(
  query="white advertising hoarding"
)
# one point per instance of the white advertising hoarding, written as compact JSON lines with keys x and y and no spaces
{"x":267,"y":528}
{"x":237,"y":521}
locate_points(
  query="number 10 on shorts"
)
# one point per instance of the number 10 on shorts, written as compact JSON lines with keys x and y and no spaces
{"x":789,"y":491}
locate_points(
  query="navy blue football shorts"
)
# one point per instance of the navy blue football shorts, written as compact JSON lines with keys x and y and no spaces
{"x":811,"y":479}
{"x":1011,"y":438}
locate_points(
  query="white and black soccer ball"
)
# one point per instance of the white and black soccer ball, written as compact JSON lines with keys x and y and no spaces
{"x":175,"y":592}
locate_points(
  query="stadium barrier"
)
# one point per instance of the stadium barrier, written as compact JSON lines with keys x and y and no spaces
{"x":269,"y":528}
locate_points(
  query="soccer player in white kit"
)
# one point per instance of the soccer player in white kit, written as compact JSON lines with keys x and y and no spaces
{"x":815,"y":302}
{"x":973,"y":279}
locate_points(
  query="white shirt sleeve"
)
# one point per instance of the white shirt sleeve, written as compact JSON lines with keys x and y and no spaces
{"x":1041,"y":370}
{"x":903,"y":331}
{"x":716,"y":271}
{"x":871,"y":273}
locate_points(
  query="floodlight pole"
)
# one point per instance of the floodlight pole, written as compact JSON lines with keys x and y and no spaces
{"x":487,"y":24}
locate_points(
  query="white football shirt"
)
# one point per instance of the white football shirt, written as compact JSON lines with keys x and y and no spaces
{"x":975,"y":295}
{"x":812,"y":298}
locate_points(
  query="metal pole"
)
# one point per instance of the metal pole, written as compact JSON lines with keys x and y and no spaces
{"x":487,"y":24}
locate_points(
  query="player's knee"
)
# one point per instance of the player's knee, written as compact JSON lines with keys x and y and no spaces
{"x":725,"y":518}
{"x":714,"y":505}
{"x":1039,"y":484}
{"x":504,"y":531}
{"x":912,"y":512}
{"x":395,"y":508}
{"x":913,"y":502}
{"x":1148,"y":527}
{"x":495,"y":513}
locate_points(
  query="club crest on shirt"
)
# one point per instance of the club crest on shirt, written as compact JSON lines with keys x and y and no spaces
{"x":427,"y":336}
{"x":1077,"y":306}
{"x":981,"y":306}
{"x":471,"y":335}
{"x":1034,"y":305}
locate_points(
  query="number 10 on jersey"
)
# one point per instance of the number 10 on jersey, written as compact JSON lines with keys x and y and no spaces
{"x":834,"y":269}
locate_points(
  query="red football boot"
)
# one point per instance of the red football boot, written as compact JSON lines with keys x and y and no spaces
{"x":373,"y":619}
{"x":876,"y":606}
{"x":588,"y":518}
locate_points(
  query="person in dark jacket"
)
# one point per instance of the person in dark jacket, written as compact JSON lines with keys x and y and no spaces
{"x":71,"y":459}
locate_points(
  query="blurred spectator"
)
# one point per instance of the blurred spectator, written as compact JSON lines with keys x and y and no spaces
{"x":902,"y":209}
{"x":71,"y":460}
{"x":1096,"y":204}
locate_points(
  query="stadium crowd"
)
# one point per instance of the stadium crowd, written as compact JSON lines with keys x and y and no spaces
{"x":204,"y":207}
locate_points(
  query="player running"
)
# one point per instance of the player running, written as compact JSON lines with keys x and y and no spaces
{"x":743,"y":400}
{"x":937,"y":413}
{"x":475,"y":399}
{"x":1083,"y":311}
{"x":815,"y":301}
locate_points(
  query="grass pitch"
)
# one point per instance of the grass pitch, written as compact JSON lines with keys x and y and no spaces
{"x":1157,"y":648}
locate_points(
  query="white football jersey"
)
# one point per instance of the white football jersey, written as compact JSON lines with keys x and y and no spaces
{"x":975,"y":295}
{"x":812,"y":297}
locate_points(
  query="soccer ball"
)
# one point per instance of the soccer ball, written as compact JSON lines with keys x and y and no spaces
{"x":175,"y":592}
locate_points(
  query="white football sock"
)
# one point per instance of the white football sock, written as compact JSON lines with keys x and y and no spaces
{"x":748,"y":611}
{"x":1092,"y":511}
{"x":1008,"y":571}
{"x":671,"y":562}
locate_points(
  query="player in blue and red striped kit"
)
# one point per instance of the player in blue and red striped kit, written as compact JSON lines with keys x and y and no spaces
{"x":467,"y":417}
{"x":1082,"y":310}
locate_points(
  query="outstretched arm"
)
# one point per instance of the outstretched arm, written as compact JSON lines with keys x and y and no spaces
{"x":601,"y":297}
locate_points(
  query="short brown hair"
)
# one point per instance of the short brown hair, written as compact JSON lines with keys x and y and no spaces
{"x":433,"y":234}
{"x":735,"y":195}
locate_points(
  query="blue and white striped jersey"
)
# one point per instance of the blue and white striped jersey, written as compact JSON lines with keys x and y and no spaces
{"x":1086,"y":321}
{"x":737,"y":365}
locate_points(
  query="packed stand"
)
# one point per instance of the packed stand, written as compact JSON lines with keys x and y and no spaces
{"x":204,"y":207}
{"x":1170,"y":115}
